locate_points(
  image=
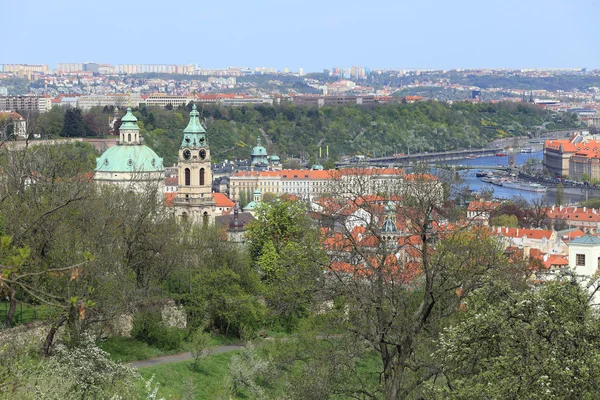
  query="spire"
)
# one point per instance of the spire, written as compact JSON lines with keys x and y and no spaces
{"x":194,"y":133}
{"x":258,"y":141}
{"x":194,"y":125}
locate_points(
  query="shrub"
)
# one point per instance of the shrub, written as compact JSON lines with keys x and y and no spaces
{"x":148,"y":328}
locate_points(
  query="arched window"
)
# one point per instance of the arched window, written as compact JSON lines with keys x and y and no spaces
{"x":201,"y":176}
{"x":129,"y":137}
{"x":205,"y":218}
{"x":187,"y":177}
{"x":184,"y":217}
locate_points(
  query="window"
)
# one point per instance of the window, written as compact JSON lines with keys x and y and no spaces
{"x":187,"y":177}
{"x":580,"y":260}
{"x":129,"y":137}
{"x":201,"y":176}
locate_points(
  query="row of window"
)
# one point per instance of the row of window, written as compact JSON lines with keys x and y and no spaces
{"x":188,"y":177}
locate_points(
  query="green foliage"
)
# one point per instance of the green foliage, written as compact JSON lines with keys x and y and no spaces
{"x":83,"y":372}
{"x":219,"y":288}
{"x":510,"y":221}
{"x":536,"y":344}
{"x":124,"y":349}
{"x":73,"y":125}
{"x":385,"y":128}
{"x":148,"y":327}
{"x":591,"y":203}
{"x":560,"y":195}
{"x":285,"y":249}
{"x":182,"y":381}
{"x":199,"y":342}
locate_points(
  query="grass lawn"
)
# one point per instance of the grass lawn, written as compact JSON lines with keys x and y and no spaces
{"x":181,"y":381}
{"x":124,"y":349}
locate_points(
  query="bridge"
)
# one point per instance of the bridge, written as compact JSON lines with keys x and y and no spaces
{"x":419,"y":158}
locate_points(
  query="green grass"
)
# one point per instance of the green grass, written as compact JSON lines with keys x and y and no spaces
{"x":124,"y":349}
{"x":182,"y":381}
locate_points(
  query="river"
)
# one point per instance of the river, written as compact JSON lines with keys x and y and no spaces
{"x":571,"y":194}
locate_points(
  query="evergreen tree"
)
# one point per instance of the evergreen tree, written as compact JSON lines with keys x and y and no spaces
{"x":73,"y":125}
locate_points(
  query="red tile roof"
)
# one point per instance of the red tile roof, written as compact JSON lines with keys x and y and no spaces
{"x":222,"y":200}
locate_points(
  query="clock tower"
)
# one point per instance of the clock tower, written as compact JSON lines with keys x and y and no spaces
{"x":194,"y":199}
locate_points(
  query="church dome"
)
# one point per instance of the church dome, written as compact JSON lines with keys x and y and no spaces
{"x":134,"y":159}
{"x":259,"y":150}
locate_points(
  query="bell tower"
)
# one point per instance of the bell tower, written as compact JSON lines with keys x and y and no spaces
{"x":194,"y":199}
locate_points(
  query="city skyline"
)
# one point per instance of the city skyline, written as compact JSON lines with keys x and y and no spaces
{"x":314,"y":36}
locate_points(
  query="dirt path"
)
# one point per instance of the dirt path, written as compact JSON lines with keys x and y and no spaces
{"x":183,"y":356}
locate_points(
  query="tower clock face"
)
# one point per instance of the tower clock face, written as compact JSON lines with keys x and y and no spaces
{"x":202,"y":154}
{"x":187,"y":154}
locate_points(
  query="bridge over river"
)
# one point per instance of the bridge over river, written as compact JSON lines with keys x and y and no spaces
{"x":426,"y":158}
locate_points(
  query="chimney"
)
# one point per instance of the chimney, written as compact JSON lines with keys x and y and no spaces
{"x":560,"y":208}
{"x":552,"y":208}
{"x":584,"y":208}
{"x":517,"y":232}
{"x":575,"y":209}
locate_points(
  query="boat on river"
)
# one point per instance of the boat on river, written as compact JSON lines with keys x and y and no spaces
{"x":501,"y":154}
{"x":527,"y":150}
{"x":528,"y":186}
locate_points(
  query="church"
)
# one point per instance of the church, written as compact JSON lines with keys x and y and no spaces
{"x":134,"y":166}
{"x":130,"y":164}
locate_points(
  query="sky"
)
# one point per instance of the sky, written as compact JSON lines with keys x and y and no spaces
{"x":307,"y":34}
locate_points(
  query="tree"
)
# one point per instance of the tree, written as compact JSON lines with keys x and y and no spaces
{"x":403,"y":274}
{"x":541,"y":343}
{"x":560,"y":195}
{"x":73,"y":125}
{"x":217,"y":284}
{"x":510,"y":221}
{"x":285,"y":249}
{"x":585,"y":177}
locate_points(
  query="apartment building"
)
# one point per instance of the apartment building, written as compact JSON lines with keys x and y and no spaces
{"x":115,"y":100}
{"x":26,"y":68}
{"x":162,"y":100}
{"x":321,"y":101}
{"x":36,"y":104}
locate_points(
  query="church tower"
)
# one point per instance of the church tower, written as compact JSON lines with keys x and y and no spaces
{"x":194,"y":199}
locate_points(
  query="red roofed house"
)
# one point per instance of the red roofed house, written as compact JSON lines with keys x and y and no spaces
{"x":544,"y":240}
{"x":223,"y":204}
{"x":580,"y":217}
{"x":10,"y":120}
{"x":479,"y":211}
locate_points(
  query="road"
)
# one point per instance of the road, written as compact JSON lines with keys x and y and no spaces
{"x":183,"y":356}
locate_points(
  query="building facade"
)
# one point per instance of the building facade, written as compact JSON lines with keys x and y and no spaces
{"x":34,"y":104}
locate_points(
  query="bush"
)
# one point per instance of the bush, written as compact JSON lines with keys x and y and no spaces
{"x":148,"y":328}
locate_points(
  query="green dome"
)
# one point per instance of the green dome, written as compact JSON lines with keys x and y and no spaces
{"x":258,"y":150}
{"x":128,"y":158}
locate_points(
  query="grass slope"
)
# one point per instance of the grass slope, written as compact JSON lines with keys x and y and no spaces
{"x":182,"y":381}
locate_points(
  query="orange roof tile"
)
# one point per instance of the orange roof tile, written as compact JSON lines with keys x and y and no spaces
{"x":222,"y":200}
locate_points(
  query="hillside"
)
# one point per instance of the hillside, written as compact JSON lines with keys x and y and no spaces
{"x":386,"y":128}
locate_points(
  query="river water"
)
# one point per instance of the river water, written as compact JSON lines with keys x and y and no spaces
{"x":571,"y":194}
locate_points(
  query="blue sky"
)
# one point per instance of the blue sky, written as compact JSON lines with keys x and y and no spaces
{"x":305,"y":33}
